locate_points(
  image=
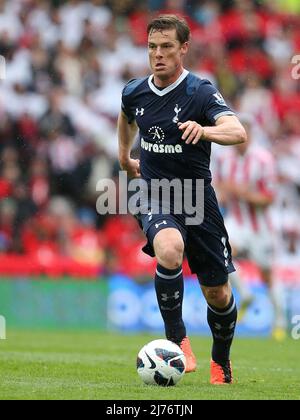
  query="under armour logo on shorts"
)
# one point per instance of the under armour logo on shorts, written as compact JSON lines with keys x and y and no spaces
{"x":159,"y":224}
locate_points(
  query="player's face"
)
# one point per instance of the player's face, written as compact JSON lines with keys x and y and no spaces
{"x":166,"y":56}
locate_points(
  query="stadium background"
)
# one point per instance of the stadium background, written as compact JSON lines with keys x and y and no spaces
{"x":61,"y":264}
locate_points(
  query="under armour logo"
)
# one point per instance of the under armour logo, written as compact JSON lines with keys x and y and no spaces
{"x":177,"y":110}
{"x":140,"y":112}
{"x":159,"y":224}
{"x":165,"y":297}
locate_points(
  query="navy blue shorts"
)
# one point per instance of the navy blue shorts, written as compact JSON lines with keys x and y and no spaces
{"x":207,"y":245}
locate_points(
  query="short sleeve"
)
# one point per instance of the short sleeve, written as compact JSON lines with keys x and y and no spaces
{"x":126,"y":103}
{"x":127,"y":110}
{"x":213,"y":103}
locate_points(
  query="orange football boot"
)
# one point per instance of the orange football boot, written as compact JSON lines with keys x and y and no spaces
{"x":191,"y":361}
{"x":220,"y":374}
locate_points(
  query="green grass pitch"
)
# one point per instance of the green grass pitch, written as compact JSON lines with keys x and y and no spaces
{"x":77,"y":365}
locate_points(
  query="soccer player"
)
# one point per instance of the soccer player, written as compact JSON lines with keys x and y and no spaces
{"x":179,"y":116}
{"x":246,"y":179}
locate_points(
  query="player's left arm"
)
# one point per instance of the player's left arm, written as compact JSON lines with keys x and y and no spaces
{"x":227,"y":131}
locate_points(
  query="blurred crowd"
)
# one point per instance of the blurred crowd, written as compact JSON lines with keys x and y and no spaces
{"x":66,"y":65}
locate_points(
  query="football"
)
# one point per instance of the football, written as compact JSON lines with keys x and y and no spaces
{"x":161,"y":362}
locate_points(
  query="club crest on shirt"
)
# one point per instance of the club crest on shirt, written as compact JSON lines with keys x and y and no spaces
{"x":176,"y":110}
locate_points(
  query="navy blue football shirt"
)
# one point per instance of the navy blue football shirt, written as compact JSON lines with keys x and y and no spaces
{"x":157,"y":113}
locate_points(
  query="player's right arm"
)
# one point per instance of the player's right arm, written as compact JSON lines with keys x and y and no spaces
{"x":224,"y":129}
{"x":126,"y":134}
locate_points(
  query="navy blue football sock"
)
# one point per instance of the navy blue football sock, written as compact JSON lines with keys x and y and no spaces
{"x":169,"y":290}
{"x":222,"y":323}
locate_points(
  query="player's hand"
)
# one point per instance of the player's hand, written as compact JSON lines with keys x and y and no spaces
{"x":192,"y":132}
{"x":132,"y":167}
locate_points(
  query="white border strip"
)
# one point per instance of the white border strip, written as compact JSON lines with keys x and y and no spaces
{"x":165,"y":277}
{"x":223,"y":313}
{"x":169,"y":88}
{"x":223,"y":114}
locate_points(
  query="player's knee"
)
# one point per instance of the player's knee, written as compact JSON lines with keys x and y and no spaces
{"x":170,"y":255}
{"x":169,"y":248}
{"x":218,"y":297}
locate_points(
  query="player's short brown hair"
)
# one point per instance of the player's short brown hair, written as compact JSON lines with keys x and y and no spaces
{"x":166,"y":22}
